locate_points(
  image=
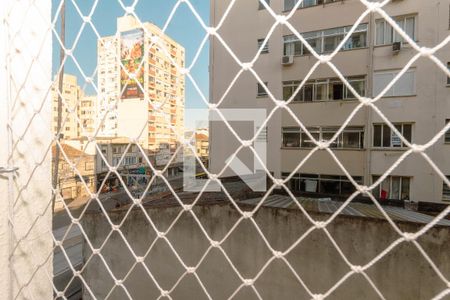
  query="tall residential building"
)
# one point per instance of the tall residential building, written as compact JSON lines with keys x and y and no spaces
{"x":87,"y":114}
{"x":418,"y":104}
{"x":83,"y":107}
{"x":71,"y":96}
{"x":128,"y":106}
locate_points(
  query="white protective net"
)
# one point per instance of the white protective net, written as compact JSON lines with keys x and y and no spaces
{"x":38,"y":262}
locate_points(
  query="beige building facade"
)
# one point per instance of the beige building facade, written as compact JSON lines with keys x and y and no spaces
{"x":418,"y":104}
{"x":70,"y":94}
{"x":75,"y":104}
{"x":87,"y":114}
{"x":149,"y":107}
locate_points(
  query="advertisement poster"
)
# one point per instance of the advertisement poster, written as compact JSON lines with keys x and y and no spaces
{"x":131,"y":56}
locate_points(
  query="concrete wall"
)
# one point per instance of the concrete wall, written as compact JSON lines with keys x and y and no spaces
{"x":26,"y":243}
{"x":402,"y":274}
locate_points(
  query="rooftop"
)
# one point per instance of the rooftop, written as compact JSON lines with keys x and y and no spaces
{"x":245,"y":198}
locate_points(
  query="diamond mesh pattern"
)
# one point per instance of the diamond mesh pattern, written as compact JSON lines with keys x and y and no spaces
{"x":18,"y":135}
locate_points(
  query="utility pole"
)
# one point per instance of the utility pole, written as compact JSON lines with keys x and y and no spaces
{"x":62,"y":37}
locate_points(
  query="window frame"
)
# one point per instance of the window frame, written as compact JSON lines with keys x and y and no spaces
{"x":261,"y":91}
{"x":261,"y":6}
{"x":320,"y":131}
{"x":400,"y":190}
{"x":392,"y":89}
{"x":297,"y":179}
{"x":321,"y":35}
{"x":391,"y":132}
{"x":445,"y":190}
{"x":394,"y":34}
{"x":448,"y":78}
{"x":265,"y":49}
{"x":447,"y":134}
{"x":303,"y":5}
{"x":300,"y":96}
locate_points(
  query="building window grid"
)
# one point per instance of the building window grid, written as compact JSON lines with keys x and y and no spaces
{"x":320,"y":183}
{"x":330,"y":89}
{"x":351,"y":137}
{"x":324,"y":41}
{"x":385,"y":137}
{"x":392,"y":187}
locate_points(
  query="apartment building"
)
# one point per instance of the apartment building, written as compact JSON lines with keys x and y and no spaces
{"x":418,"y":104}
{"x":75,"y":104}
{"x":141,"y":88}
{"x":87,"y":114}
{"x":70,"y":94}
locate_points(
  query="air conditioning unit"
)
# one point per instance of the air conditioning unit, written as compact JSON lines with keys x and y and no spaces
{"x":287,"y":60}
{"x":396,"y":47}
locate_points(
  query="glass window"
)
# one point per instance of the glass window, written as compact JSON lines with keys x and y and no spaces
{"x":289,"y":4}
{"x":392,"y":187}
{"x":350,"y":137}
{"x":379,"y":28}
{"x":328,"y":135}
{"x":447,"y":134}
{"x":307,"y":92}
{"x":377,"y":135}
{"x":386,"y":35}
{"x":326,"y":40}
{"x":330,"y":184}
{"x":291,"y":137}
{"x":445,"y":191}
{"x":324,"y":89}
{"x":292,"y":46}
{"x":448,"y":78}
{"x":351,"y":140}
{"x":261,"y":6}
{"x":289,"y":88}
{"x":265,"y":49}
{"x":336,"y":90}
{"x":395,"y":191}
{"x":404,"y":86}
{"x":321,"y":91}
{"x":261,"y":91}
{"x":306,"y":142}
{"x":404,"y":192}
{"x":386,"y":136}
{"x":383,"y":136}
{"x":325,"y":184}
{"x":287,"y":92}
{"x":407,"y":133}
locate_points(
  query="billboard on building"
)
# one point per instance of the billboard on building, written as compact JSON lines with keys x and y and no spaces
{"x":131,"y":56}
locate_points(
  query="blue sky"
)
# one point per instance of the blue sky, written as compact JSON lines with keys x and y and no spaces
{"x":184,"y":28}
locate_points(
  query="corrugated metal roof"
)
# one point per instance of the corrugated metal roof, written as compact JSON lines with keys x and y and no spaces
{"x":352,"y":209}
